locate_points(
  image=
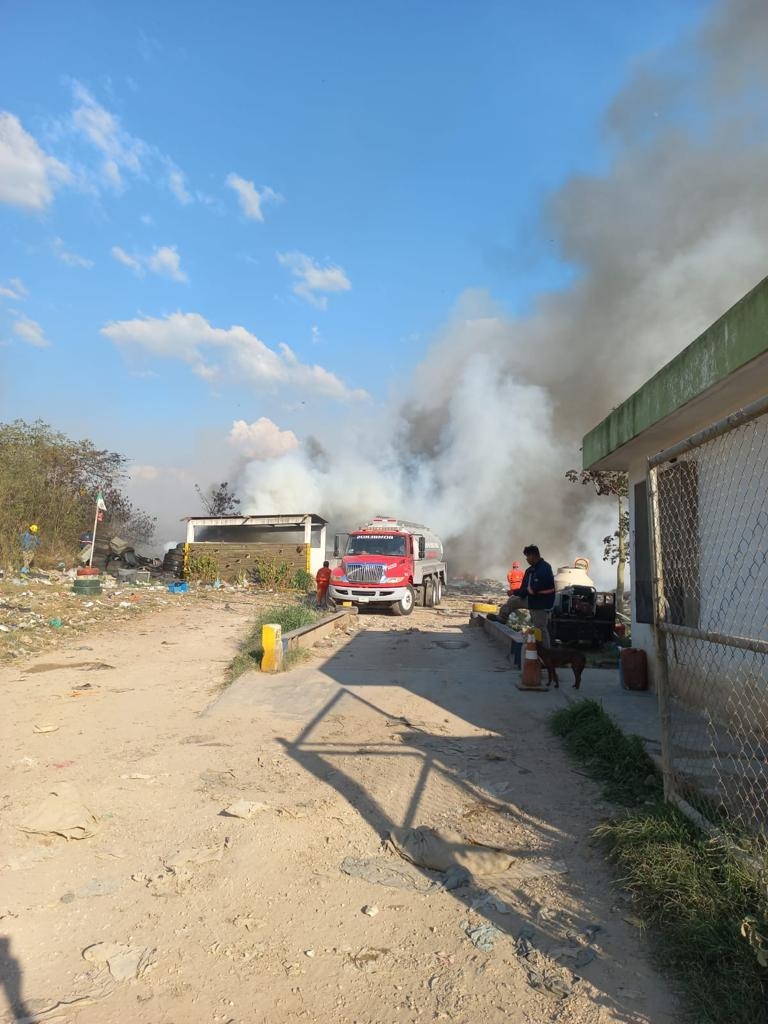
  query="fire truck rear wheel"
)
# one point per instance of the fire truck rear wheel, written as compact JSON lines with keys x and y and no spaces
{"x":438,"y":591}
{"x":405,"y":605}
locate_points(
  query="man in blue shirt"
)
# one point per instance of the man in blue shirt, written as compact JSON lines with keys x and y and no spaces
{"x":536,"y":593}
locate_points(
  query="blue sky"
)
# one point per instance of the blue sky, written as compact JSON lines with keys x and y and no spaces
{"x":328,"y":177}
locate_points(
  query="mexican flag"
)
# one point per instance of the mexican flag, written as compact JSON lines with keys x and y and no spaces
{"x":100,"y":503}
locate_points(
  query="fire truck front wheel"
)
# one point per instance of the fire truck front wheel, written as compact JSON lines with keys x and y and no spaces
{"x":405,"y":605}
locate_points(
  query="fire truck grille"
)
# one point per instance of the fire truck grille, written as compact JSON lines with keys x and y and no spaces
{"x":365,"y":572}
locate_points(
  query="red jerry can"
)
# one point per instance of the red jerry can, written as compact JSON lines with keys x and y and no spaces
{"x":634,"y":669}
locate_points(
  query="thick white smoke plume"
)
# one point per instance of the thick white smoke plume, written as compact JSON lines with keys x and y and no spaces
{"x":671,"y":236}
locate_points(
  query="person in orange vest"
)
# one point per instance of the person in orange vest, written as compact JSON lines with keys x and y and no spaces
{"x":323,"y":580}
{"x":515,"y":578}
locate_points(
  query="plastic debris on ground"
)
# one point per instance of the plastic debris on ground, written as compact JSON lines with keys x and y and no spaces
{"x":62,"y":813}
{"x":124,"y":962}
{"x":394,"y":875}
{"x":244,"y":809}
{"x":482,"y":936}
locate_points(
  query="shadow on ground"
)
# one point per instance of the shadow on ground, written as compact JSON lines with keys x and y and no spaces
{"x":506,"y":775}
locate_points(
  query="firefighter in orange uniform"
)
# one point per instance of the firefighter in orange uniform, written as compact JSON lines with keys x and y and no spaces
{"x":515,"y":577}
{"x":323,"y":580}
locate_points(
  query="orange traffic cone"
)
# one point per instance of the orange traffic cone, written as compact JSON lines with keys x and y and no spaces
{"x":531,"y":674}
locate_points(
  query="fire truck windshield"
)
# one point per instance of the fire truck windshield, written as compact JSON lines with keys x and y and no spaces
{"x":376,"y":544}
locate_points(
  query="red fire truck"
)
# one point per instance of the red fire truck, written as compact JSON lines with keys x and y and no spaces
{"x":389,"y":562}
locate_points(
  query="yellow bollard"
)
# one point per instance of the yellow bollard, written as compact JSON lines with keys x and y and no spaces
{"x":272,"y":645}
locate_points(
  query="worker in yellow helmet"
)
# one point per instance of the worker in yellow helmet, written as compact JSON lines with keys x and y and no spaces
{"x":29,"y":541}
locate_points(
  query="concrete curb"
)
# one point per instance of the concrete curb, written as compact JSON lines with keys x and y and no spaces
{"x":497,"y":631}
{"x":305,"y":636}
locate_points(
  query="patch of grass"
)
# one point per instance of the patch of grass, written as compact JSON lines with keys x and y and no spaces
{"x":289,"y":616}
{"x":294,"y":658}
{"x":620,"y":761}
{"x":706,"y":905}
{"x":696,"y":894}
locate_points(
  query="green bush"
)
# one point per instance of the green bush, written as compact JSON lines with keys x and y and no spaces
{"x":202,"y":567}
{"x":302,"y":580}
{"x":271,"y":574}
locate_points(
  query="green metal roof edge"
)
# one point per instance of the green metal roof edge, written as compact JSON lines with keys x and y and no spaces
{"x":740,"y":335}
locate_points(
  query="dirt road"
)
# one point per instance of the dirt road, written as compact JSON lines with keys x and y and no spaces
{"x":226,"y":919}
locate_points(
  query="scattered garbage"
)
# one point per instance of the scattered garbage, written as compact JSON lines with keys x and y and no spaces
{"x":197,"y":855}
{"x":244,"y":809}
{"x":490,"y":902}
{"x":124,"y":962}
{"x":309,"y":952}
{"x":543,"y":974}
{"x":447,"y":851}
{"x":483,"y":936}
{"x":55,"y":622}
{"x":383,"y":871}
{"x":62,"y":813}
{"x":370,"y":910}
{"x":443,"y":850}
{"x":44,"y":728}
{"x":178,"y":588}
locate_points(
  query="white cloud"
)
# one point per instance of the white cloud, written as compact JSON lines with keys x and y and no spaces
{"x":122,"y":154}
{"x":126,"y":259}
{"x":31,"y":332}
{"x":13,"y":289}
{"x":70,"y":258}
{"x":189,"y":338}
{"x":177,"y":182}
{"x":121,"y":151}
{"x":313,"y":278}
{"x":28,"y":175}
{"x":250,"y":197}
{"x":262,"y":439}
{"x":166,"y":261}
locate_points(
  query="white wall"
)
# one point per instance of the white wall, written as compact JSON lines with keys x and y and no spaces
{"x":733,"y":574}
{"x":642,"y":633}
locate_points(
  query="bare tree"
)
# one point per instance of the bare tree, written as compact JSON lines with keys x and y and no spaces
{"x":219,"y":501}
{"x":615,"y":547}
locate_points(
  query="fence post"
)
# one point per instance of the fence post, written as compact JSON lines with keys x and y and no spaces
{"x":660,"y":636}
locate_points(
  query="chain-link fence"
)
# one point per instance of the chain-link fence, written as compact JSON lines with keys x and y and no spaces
{"x":708,"y":505}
